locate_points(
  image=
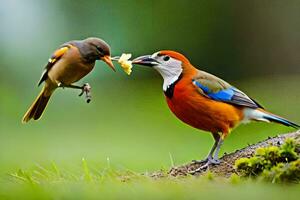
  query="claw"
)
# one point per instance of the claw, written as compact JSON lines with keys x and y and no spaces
{"x":199,"y":161}
{"x":209,"y":161}
{"x":86,"y":89}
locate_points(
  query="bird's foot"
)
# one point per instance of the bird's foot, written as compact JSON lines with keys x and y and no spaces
{"x":207,"y":159}
{"x":215,"y":161}
{"x":208,"y":162}
{"x":86,"y":89}
{"x":200,"y":161}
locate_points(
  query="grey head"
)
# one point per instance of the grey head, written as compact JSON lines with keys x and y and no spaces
{"x":93,"y":49}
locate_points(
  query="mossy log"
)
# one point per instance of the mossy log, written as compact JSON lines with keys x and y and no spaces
{"x":226,"y":167}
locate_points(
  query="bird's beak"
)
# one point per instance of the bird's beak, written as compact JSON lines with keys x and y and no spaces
{"x":145,"y":60}
{"x":107,"y":60}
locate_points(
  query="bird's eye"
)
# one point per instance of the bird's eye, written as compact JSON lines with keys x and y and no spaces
{"x":100,"y":49}
{"x":166,"y":58}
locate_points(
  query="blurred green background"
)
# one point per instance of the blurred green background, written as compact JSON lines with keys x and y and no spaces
{"x":252,"y":44}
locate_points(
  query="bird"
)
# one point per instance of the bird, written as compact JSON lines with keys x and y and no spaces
{"x":205,"y":101}
{"x":69,"y":63}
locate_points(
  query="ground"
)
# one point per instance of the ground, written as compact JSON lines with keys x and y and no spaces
{"x":50,"y":182}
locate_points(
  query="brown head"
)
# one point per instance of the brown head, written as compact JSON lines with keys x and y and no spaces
{"x":93,"y":49}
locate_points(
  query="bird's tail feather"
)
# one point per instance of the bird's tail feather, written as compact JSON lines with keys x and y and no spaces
{"x":262,"y":115}
{"x":280,"y":120}
{"x":37,"y":108}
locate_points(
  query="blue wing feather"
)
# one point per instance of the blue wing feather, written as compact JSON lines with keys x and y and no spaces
{"x":230,"y":95}
{"x":222,"y":95}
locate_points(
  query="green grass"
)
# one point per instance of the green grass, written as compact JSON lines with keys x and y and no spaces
{"x":126,"y":130}
{"x":90,"y":182}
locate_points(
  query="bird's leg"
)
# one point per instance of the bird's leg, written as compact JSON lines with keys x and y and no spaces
{"x":216,"y":156}
{"x":86,"y":88}
{"x":215,"y":159}
{"x":212,"y":150}
{"x":210,"y":158}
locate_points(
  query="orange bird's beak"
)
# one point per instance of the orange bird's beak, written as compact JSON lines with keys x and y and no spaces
{"x":145,"y":61}
{"x":107,"y":60}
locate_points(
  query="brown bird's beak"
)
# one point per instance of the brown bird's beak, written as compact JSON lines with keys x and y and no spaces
{"x":107,"y":60}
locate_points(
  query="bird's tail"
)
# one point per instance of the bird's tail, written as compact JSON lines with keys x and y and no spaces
{"x":37,"y":108}
{"x":262,"y":115}
{"x":274,"y":118}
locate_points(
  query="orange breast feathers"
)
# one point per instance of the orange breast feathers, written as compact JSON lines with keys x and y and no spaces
{"x":201,"y":112}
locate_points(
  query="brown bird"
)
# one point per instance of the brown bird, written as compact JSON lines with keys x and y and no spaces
{"x":68,"y":64}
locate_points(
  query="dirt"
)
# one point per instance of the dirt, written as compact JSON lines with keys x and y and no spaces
{"x":226,"y":167}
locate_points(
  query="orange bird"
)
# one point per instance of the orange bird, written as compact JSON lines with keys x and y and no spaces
{"x":205,"y":101}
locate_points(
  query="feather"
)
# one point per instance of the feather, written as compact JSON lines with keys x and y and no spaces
{"x":54,"y":58}
{"x":219,"y":90}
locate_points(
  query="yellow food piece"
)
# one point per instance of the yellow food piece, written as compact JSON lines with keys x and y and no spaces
{"x":125,"y":63}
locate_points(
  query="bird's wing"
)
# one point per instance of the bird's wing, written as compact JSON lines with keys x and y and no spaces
{"x":219,"y":90}
{"x":52,"y":60}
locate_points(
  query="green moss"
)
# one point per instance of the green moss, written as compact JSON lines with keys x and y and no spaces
{"x":288,"y":172}
{"x":274,"y":164}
